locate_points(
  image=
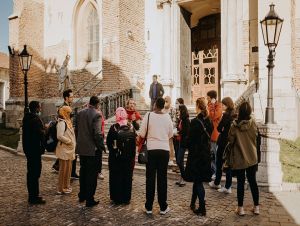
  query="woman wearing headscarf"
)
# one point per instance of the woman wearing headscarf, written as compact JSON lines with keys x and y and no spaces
{"x":65,"y":149}
{"x":121,"y":145}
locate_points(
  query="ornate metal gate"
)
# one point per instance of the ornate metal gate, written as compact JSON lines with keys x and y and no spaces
{"x":205,"y":75}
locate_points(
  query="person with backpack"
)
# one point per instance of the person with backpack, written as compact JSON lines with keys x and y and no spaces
{"x":33,"y":138}
{"x":242,"y":137}
{"x":198,"y":165}
{"x":121,"y":145}
{"x":65,"y":149}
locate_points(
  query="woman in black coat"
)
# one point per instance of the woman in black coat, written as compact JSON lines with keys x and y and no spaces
{"x":198,"y":167}
{"x":223,"y":128}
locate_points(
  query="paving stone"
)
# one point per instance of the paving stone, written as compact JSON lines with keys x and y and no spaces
{"x":65,"y":210}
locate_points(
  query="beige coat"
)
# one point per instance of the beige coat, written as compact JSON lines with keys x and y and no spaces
{"x":243,"y":137}
{"x":65,"y":148}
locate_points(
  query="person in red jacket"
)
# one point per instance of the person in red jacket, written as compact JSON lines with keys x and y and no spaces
{"x":215,"y":115}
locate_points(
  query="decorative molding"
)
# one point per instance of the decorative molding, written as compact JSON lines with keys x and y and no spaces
{"x":160,"y":3}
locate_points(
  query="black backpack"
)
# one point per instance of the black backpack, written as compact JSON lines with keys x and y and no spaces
{"x":126,"y":142}
{"x":51,"y":136}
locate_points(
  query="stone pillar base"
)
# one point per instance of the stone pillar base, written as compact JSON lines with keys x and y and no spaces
{"x":20,"y":144}
{"x":269,"y":175}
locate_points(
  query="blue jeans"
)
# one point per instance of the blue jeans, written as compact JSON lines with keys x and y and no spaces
{"x":180,"y":159}
{"x":213,"y":149}
{"x":219,"y":164}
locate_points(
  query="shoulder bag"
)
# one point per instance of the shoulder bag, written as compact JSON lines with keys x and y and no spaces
{"x":143,"y":152}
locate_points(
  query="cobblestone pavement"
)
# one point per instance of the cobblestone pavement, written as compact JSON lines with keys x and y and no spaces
{"x":65,"y":210}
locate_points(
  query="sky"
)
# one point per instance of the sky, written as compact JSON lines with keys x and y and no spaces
{"x":5,"y":11}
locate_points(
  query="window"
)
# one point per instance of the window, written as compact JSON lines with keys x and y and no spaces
{"x":92,"y":34}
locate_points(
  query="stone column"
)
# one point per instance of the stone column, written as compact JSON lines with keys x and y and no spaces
{"x":20,"y":144}
{"x":269,"y":174}
{"x":233,"y":77}
{"x":166,"y":78}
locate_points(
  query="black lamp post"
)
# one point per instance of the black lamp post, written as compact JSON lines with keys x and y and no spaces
{"x":25,"y":62}
{"x":271,"y":27}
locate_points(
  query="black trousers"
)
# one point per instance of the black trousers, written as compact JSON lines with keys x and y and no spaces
{"x":157,"y":163}
{"x":89,"y":166}
{"x":34,"y":168}
{"x":251,"y":176}
{"x":73,"y":173}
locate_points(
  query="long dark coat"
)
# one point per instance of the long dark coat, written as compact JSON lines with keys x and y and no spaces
{"x":199,"y":161}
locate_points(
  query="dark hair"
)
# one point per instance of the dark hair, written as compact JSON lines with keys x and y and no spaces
{"x":184,"y":113}
{"x":180,"y":100}
{"x":245,"y":111}
{"x":154,"y":76}
{"x":94,"y":100}
{"x":160,"y":103}
{"x":228,"y":102}
{"x":201,"y":104}
{"x":66,"y":93}
{"x":212,"y":94}
{"x":33,"y":106}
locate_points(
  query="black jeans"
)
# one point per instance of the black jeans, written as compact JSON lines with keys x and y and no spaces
{"x":89,"y":166}
{"x":198,"y":191}
{"x":73,"y":173}
{"x":251,"y":176}
{"x":157,"y":163}
{"x":34,"y":168}
{"x":219,"y":164}
{"x":180,"y":158}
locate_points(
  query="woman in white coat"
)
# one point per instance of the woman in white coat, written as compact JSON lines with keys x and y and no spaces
{"x":65,"y":149}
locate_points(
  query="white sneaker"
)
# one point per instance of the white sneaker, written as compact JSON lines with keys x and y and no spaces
{"x":225,"y":190}
{"x":100,"y":176}
{"x":148,"y":212}
{"x":165,"y":211}
{"x":256,"y":210}
{"x":212,"y":185}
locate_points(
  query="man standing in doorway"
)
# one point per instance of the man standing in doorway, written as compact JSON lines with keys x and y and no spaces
{"x":156,"y":91}
{"x":33,"y":138}
{"x":89,"y":147}
{"x":215,"y":115}
{"x":68,"y":100}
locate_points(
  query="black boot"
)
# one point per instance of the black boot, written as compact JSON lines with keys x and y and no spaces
{"x":193,"y":202}
{"x":201,"y":211}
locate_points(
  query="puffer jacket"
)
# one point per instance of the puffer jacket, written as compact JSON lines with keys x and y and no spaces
{"x":65,"y":148}
{"x":243,"y":137}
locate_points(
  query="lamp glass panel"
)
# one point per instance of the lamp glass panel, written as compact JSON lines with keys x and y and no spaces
{"x":264,"y":31}
{"x":271,"y":24}
{"x":278,"y":31}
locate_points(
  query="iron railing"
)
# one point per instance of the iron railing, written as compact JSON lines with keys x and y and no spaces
{"x":108,"y":103}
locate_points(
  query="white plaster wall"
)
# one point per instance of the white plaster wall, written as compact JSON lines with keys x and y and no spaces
{"x":285,"y":101}
{"x":154,"y":43}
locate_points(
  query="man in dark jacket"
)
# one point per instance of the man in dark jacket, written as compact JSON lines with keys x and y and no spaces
{"x":33,"y":138}
{"x":156,"y":91}
{"x":89,"y":147}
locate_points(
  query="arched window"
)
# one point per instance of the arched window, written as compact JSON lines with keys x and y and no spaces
{"x":93,"y":34}
{"x":87,"y":35}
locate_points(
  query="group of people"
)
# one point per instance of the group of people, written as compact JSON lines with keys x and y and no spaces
{"x":217,"y":129}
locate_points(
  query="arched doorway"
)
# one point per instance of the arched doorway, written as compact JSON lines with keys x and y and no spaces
{"x":206,"y":55}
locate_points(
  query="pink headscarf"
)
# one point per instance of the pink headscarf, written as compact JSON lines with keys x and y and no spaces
{"x":121,"y":116}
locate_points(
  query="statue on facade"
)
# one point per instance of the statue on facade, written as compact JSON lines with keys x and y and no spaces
{"x":64,"y":76}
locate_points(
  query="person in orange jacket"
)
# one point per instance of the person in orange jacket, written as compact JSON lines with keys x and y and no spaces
{"x":215,"y":115}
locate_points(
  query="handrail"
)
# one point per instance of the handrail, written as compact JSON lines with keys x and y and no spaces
{"x":246,"y":94}
{"x":91,"y":79}
{"x":109,"y":103}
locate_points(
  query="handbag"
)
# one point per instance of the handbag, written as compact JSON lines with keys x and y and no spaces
{"x":228,"y":157}
{"x":143,"y":152}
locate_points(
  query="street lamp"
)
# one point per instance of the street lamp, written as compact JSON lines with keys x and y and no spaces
{"x":25,"y":62}
{"x":271,"y":27}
